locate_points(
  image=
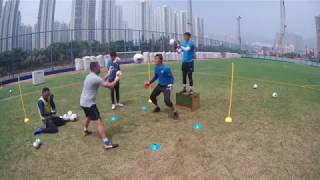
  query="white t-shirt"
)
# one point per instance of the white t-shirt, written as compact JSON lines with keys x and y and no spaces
{"x":90,"y":89}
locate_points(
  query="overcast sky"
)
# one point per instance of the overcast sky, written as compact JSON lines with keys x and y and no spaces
{"x":261,"y":18}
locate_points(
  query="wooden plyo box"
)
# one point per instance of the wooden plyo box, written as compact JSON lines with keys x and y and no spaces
{"x":191,"y":102}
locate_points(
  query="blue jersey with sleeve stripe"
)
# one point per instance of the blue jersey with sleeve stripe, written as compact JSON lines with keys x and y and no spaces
{"x":163,"y":73}
{"x":188,"y":56}
{"x":115,"y":67}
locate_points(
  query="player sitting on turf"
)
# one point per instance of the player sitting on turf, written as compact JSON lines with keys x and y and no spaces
{"x":47,"y":110}
{"x":188,"y":49}
{"x":88,"y":102}
{"x":113,"y":67}
{"x":163,"y":73}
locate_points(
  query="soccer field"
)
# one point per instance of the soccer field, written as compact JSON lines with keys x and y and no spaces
{"x":270,"y":138}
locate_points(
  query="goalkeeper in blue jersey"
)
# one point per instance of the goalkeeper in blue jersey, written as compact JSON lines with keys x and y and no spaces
{"x":162,"y":72}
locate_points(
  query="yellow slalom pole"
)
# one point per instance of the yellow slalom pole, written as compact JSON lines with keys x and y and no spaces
{"x":149,"y":77}
{"x":22,"y":102}
{"x":228,"y":119}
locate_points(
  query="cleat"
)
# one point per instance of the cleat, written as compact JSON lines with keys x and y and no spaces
{"x":87,"y":133}
{"x":113,"y":107}
{"x":119,"y":105}
{"x":156,"y":110}
{"x":109,"y":145}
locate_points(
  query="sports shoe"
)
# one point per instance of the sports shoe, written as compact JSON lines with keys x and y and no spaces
{"x":109,"y":145}
{"x":191,"y":91}
{"x":113,"y":107}
{"x":37,"y":131}
{"x":156,"y":109}
{"x":87,"y":133}
{"x":119,"y":105}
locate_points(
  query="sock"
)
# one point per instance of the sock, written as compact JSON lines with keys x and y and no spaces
{"x":184,"y":86}
{"x":190,"y":87}
{"x":106,"y":140}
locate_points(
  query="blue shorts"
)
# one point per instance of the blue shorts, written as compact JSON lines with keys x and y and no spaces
{"x":92,"y":113}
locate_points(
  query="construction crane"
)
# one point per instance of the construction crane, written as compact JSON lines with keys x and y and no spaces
{"x":282,"y":42}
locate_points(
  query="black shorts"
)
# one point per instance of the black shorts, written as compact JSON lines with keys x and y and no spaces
{"x":92,"y":113}
{"x":188,"y":67}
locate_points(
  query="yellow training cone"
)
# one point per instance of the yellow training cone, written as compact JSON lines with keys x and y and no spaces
{"x":228,"y":119}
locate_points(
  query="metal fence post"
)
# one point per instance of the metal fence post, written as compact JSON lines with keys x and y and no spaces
{"x":139,"y":41}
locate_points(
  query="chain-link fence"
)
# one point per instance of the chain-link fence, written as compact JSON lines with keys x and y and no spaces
{"x":56,"y":49}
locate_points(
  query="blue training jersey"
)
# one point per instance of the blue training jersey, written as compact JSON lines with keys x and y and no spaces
{"x":188,"y":56}
{"x":115,"y":67}
{"x":163,"y":73}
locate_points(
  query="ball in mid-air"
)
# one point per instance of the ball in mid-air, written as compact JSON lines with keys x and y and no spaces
{"x":172,"y":42}
{"x":138,"y":58}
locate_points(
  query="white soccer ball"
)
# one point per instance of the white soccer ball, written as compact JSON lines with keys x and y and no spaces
{"x":65,"y":117}
{"x":69,"y":113}
{"x":73,"y":117}
{"x":255,"y":86}
{"x":274,"y":95}
{"x":36,"y":145}
{"x":138,"y":58}
{"x":172,"y":42}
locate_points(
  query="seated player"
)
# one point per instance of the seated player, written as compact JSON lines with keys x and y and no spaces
{"x":47,"y":110}
{"x":90,"y":88}
{"x":163,"y":73}
{"x":113,"y":67}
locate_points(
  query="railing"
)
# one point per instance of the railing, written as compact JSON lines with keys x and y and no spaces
{"x":47,"y":50}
